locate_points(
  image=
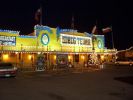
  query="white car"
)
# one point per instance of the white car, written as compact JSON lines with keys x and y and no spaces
{"x":7,"y":70}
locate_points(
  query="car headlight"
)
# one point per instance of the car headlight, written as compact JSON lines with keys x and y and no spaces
{"x":15,"y":68}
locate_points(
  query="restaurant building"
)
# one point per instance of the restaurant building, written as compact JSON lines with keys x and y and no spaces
{"x":53,"y":47}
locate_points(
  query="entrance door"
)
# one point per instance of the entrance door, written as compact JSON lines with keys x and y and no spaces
{"x":62,"y":60}
{"x":40,"y":63}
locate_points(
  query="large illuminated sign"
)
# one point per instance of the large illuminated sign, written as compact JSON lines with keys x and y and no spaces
{"x":76,"y":40}
{"x":8,"y":40}
{"x":45,"y":39}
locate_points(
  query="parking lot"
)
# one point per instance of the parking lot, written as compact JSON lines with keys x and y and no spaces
{"x":105,"y":84}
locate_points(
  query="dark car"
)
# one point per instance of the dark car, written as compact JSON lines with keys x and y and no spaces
{"x":7,"y":70}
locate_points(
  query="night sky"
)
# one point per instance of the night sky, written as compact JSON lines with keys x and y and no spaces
{"x":19,"y":15}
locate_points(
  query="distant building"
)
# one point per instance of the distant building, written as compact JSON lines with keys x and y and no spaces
{"x":125,"y":55}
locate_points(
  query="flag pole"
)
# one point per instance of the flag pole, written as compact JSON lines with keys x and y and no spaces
{"x":41,"y":14}
{"x":73,"y":27}
{"x":72,"y":24}
{"x":112,"y":38}
{"x":113,"y":45}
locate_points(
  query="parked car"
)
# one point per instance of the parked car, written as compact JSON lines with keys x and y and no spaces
{"x":7,"y":70}
{"x":124,"y":63}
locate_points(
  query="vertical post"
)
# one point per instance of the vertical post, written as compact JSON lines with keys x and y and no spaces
{"x":73,"y":50}
{"x":112,"y":38}
{"x":16,"y":58}
{"x":93,"y":43}
{"x":41,"y":14}
{"x":22,"y":62}
{"x":1,"y":52}
{"x":72,"y":24}
{"x":93,"y":48}
{"x":32,"y":60}
{"x":37,"y":44}
{"x":113,"y":44}
{"x":47,"y":58}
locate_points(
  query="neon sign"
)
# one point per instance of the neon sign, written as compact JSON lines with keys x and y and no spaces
{"x":8,"y":40}
{"x":45,"y":39}
{"x":75,"y":40}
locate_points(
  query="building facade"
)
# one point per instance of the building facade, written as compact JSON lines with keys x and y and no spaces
{"x":53,"y":46}
{"x":125,"y":55}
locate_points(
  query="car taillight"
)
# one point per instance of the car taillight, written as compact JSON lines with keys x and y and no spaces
{"x":12,"y":72}
{"x":1,"y":71}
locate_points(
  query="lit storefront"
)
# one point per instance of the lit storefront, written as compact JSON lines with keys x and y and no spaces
{"x":54,"y":46}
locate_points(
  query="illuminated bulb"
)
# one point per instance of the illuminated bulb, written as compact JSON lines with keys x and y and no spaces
{"x":69,"y":57}
{"x":83,"y":57}
{"x":39,"y":52}
{"x":54,"y":57}
{"x":5,"y":56}
{"x":29,"y":57}
{"x":102,"y":57}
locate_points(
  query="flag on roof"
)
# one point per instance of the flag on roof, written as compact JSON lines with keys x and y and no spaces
{"x":38,"y":14}
{"x":107,"y":30}
{"x":94,"y":30}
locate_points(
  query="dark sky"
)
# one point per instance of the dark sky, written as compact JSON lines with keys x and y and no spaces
{"x":20,"y":15}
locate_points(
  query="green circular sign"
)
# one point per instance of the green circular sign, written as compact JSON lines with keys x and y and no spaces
{"x":45,"y":39}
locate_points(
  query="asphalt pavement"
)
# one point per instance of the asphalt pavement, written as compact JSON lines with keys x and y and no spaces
{"x":103,"y":84}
